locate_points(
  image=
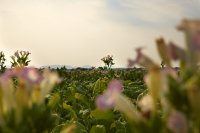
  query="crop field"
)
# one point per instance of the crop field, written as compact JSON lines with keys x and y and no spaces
{"x":77,"y":94}
{"x":154,"y":98}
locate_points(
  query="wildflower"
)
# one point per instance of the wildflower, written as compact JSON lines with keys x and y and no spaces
{"x":177,"y":122}
{"x":49,"y":80}
{"x":113,"y":98}
{"x":146,"y":105}
{"x":31,"y":75}
{"x":191,"y":28}
{"x":176,"y":52}
{"x":7,"y":74}
{"x":153,"y":81}
{"x":141,"y":59}
{"x":192,"y":31}
{"x":108,"y":100}
{"x":162,"y":50}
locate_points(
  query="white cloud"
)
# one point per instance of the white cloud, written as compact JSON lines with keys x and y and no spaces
{"x":157,"y":12}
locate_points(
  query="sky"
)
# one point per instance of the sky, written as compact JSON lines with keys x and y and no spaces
{"x":81,"y":32}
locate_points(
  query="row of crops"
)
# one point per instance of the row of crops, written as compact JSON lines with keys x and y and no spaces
{"x":77,"y":93}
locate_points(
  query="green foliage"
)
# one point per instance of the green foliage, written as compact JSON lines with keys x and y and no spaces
{"x":78,"y":91}
{"x":20,"y":59}
{"x":37,"y":119}
{"x":2,"y":62}
{"x":98,"y":129}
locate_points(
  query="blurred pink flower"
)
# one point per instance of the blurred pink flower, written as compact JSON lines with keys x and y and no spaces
{"x":175,"y":52}
{"x":31,"y":75}
{"x":177,"y":122}
{"x":108,"y":99}
{"x":196,"y":41}
{"x":146,"y":106}
{"x":140,"y":59}
{"x":7,"y":74}
{"x":192,"y":31}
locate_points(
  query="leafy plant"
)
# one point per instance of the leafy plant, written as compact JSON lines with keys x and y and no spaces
{"x":108,"y":61}
{"x":172,"y":103}
{"x":78,"y":91}
{"x":20,"y":59}
{"x":22,"y":103}
{"x":2,"y":62}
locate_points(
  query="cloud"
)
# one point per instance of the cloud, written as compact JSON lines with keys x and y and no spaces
{"x":76,"y":32}
{"x":154,"y":12}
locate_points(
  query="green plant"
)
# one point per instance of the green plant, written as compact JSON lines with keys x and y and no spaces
{"x":108,"y":61}
{"x":22,"y":101}
{"x":78,"y":90}
{"x":172,"y":103}
{"x":20,"y":59}
{"x":2,"y":62}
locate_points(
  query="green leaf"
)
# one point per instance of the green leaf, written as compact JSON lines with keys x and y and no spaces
{"x":70,"y":109}
{"x":80,"y":128}
{"x":98,"y":129}
{"x":99,"y":86}
{"x":105,"y":115}
{"x":53,"y":102}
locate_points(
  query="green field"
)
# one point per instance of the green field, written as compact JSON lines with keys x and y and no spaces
{"x":77,"y":93}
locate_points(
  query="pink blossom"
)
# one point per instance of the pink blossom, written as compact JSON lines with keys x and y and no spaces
{"x":177,"y":122}
{"x":31,"y":75}
{"x":7,"y":74}
{"x":192,"y":31}
{"x":176,"y":52}
{"x":140,"y":59}
{"x":108,"y":99}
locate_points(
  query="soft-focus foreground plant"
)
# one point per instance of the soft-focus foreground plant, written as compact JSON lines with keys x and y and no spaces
{"x":172,"y":103}
{"x":108,"y":61}
{"x":20,"y":59}
{"x":22,"y":100}
{"x":2,"y":62}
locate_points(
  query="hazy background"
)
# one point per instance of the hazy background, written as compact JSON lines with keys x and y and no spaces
{"x":81,"y":32}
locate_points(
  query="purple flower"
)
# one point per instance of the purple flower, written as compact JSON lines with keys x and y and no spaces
{"x":140,"y":59}
{"x":108,"y":99}
{"x":177,"y":122}
{"x":31,"y":75}
{"x":192,"y":31}
{"x":196,"y":41}
{"x":113,"y":98}
{"x":7,"y":74}
{"x":131,"y":62}
{"x":146,"y":106}
{"x":175,"y":52}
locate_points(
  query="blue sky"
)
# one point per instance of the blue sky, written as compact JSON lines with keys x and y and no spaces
{"x":77,"y":32}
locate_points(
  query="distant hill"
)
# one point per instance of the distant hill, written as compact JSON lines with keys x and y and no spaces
{"x":57,"y":66}
{"x":67,"y":67}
